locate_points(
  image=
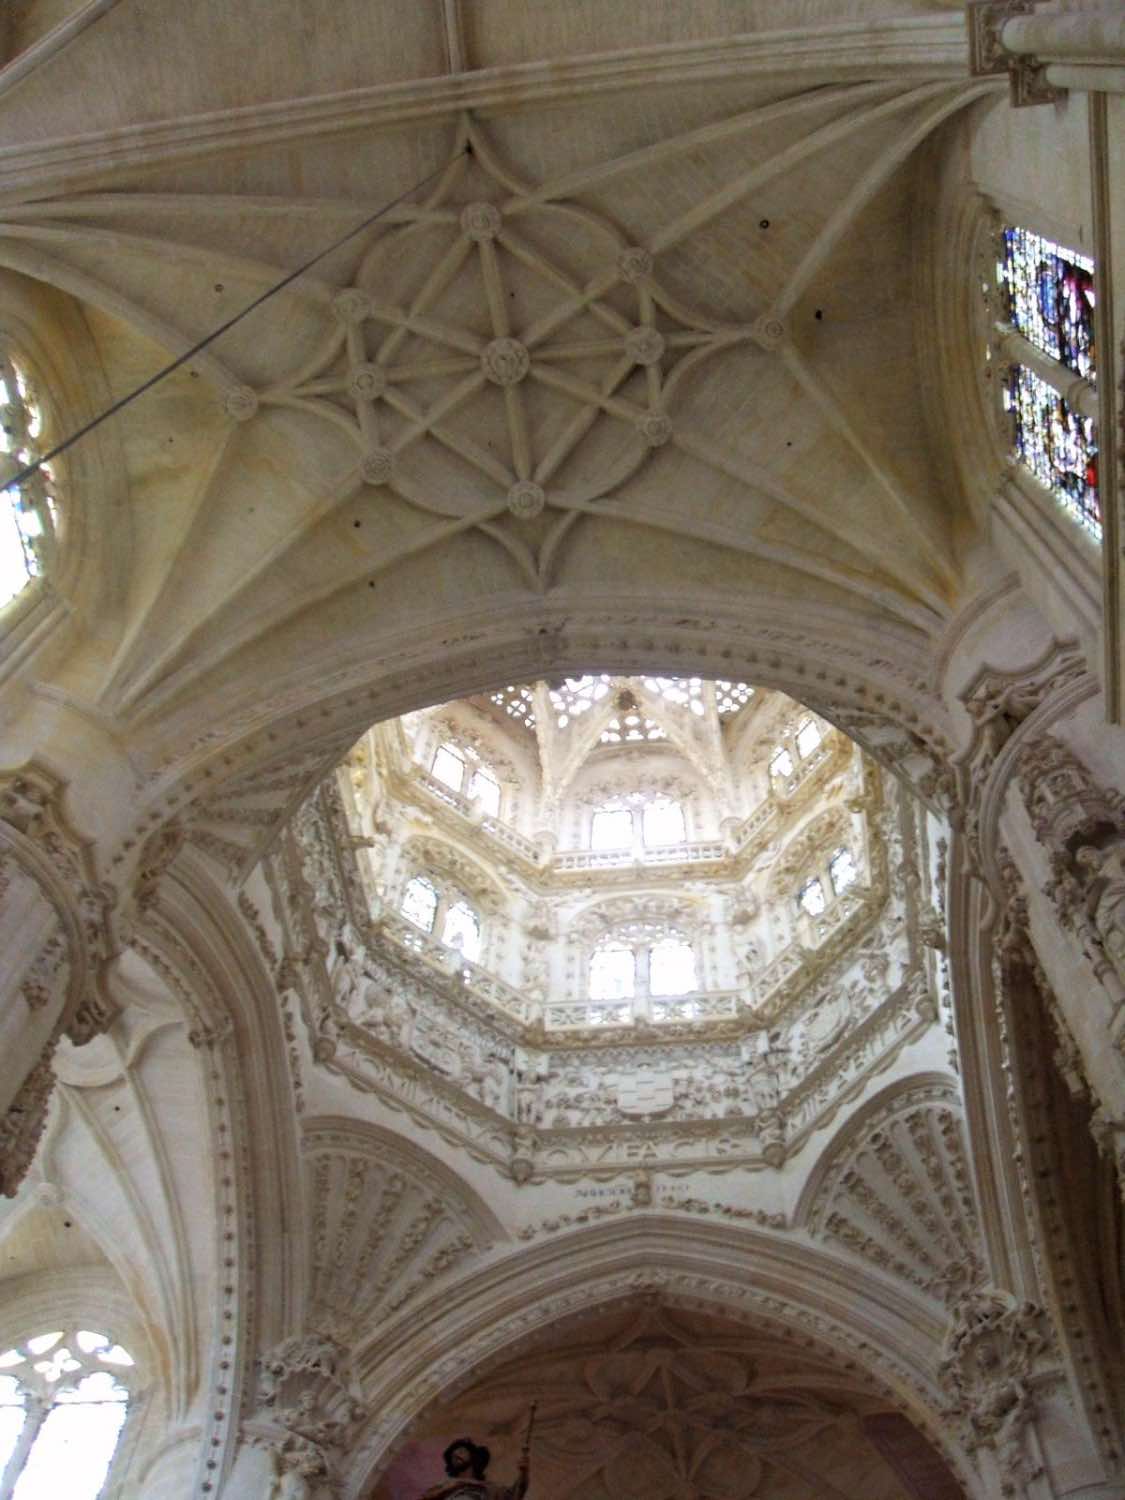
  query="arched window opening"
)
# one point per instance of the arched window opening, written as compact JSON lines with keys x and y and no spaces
{"x":613,"y":972}
{"x":781,"y":763}
{"x":671,"y":967}
{"x":1049,"y":298}
{"x":810,"y":897}
{"x":842,"y":871}
{"x":731,"y":697}
{"x":27,"y":513}
{"x":420,"y":903}
{"x":684,"y":692}
{"x":808,"y":737}
{"x":485,"y":789}
{"x":461,"y":930}
{"x":449,"y":767}
{"x":574,"y":696}
{"x":518,"y":702}
{"x":64,"y":1398}
{"x":611,"y":828}
{"x":662,"y":822}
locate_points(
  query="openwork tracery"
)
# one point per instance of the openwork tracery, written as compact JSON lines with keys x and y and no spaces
{"x":27,"y":514}
{"x":64,"y":1398}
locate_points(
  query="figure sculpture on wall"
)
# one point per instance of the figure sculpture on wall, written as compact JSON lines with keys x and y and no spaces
{"x":466,"y":1463}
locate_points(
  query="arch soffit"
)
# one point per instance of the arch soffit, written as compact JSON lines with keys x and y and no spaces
{"x":331,"y":1134}
{"x":875,"y":691}
{"x":900,"y":1095}
{"x":792,"y":1289}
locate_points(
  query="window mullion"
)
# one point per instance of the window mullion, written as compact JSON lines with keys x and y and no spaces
{"x":1080,"y":394}
{"x":37,"y":1411}
{"x":642,"y":1002}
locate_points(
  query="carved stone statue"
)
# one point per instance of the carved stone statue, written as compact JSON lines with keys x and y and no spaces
{"x":466,"y":1463}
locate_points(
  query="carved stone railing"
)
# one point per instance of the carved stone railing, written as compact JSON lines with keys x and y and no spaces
{"x":665,"y":1010}
{"x":443,"y":964}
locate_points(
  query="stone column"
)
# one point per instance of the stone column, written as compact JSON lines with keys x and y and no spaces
{"x":1046,"y":51}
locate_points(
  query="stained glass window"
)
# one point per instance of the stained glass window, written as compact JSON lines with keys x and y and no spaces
{"x":810,"y":898}
{"x":449,"y":767}
{"x":461,"y":930}
{"x":671,"y":967}
{"x":842,"y":870}
{"x":27,"y":514}
{"x":420,"y":902}
{"x":613,"y":972}
{"x":61,"y":1414}
{"x":1050,"y":295}
{"x":1057,"y":444}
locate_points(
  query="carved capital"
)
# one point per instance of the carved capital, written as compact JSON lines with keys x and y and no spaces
{"x":988,"y":1360}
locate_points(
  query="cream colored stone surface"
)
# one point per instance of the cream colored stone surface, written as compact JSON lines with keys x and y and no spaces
{"x":667,"y":360}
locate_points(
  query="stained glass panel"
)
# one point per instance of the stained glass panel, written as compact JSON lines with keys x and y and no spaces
{"x":27,"y":514}
{"x":1057,"y":444}
{"x":1050,"y":294}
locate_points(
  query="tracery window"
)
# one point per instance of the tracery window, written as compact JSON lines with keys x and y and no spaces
{"x":1050,"y":296}
{"x":685,"y":692}
{"x":518,"y":702}
{"x":1057,"y":444}
{"x":462,"y":772}
{"x":64,"y":1397}
{"x":613,"y":972}
{"x":730,"y":697}
{"x":575,"y":696}
{"x":631,"y":729}
{"x":642,"y":959}
{"x":637,"y":821}
{"x":27,"y":513}
{"x":420,"y":902}
{"x":444,"y":913}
